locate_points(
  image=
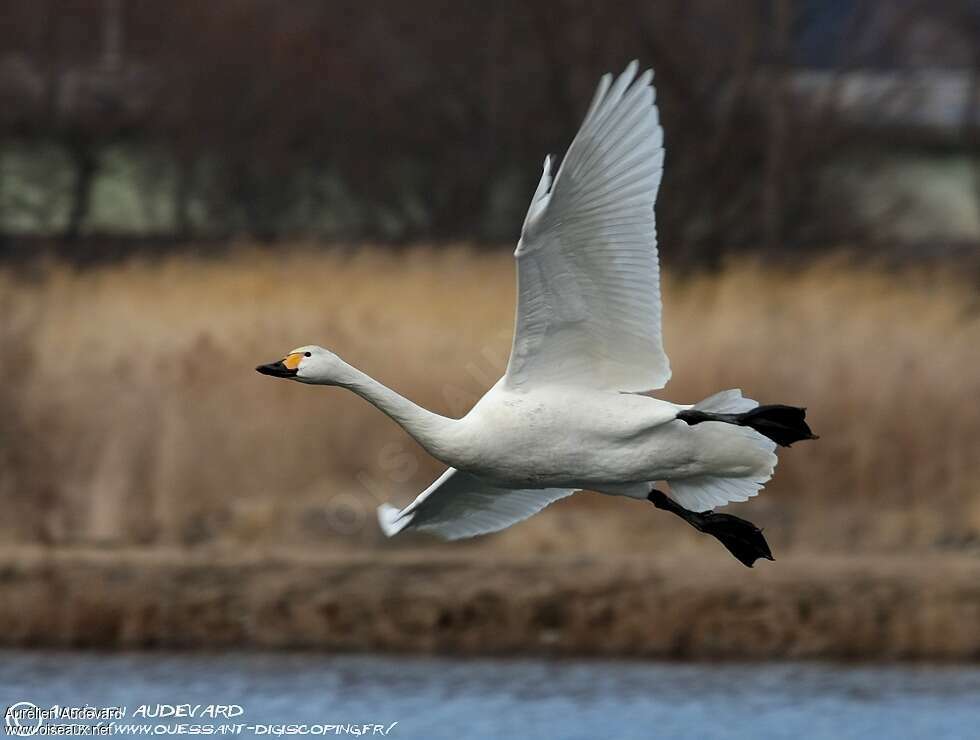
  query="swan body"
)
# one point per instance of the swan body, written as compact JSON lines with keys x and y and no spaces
{"x":568,"y":437}
{"x":570,"y":413}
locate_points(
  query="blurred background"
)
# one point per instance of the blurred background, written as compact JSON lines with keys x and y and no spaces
{"x":793,"y":124}
{"x":188,"y":189}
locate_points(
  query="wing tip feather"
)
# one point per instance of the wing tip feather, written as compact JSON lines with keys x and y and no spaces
{"x":391,"y":520}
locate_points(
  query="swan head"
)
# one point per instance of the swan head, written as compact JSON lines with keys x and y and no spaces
{"x":309,"y":364}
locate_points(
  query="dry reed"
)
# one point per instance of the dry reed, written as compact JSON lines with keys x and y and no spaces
{"x":133,"y":415}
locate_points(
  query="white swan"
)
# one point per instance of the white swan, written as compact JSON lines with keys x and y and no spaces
{"x":567,"y":415}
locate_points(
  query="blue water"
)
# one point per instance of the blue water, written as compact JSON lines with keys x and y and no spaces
{"x":437,"y":698}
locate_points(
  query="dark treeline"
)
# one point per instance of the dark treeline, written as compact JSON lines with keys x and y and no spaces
{"x":428,"y":120}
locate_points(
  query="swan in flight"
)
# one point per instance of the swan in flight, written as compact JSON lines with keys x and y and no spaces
{"x":570,"y":412}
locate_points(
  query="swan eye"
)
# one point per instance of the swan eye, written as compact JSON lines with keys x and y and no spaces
{"x":307,"y":354}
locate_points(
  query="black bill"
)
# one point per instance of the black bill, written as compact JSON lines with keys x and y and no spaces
{"x":277,"y":370}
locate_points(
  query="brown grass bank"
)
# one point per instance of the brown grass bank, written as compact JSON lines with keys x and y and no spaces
{"x":880,"y":608}
{"x":132,"y":415}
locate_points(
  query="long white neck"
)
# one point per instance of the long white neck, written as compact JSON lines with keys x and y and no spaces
{"x":434,"y":432}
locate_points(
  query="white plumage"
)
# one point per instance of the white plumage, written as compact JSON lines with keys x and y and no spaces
{"x":588,"y":307}
{"x":459,"y":505}
{"x":567,"y":415}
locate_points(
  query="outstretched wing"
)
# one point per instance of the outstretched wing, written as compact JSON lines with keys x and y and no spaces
{"x":461,"y":505}
{"x":588,"y":277}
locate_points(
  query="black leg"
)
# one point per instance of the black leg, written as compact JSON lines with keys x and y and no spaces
{"x":784,"y":425}
{"x":742,"y":538}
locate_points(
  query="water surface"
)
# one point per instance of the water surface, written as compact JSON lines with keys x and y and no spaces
{"x":462,"y":698}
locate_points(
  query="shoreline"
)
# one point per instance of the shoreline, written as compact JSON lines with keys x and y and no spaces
{"x":880,"y":608}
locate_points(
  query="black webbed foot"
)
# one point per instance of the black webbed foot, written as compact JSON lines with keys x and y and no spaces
{"x":740,"y":537}
{"x":784,"y":425}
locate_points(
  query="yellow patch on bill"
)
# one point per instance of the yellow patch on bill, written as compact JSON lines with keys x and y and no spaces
{"x":292,"y":361}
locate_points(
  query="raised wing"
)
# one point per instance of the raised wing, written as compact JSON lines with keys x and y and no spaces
{"x":461,"y":505}
{"x":588,"y":277}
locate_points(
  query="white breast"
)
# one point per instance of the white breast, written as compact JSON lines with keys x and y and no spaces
{"x":554,"y":434}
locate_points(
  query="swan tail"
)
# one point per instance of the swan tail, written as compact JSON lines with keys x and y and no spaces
{"x":730,"y":402}
{"x":704,"y":492}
